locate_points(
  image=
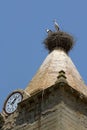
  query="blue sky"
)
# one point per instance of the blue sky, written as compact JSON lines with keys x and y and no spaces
{"x":22,"y":31}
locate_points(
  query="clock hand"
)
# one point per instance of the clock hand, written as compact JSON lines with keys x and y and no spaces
{"x":13,"y":101}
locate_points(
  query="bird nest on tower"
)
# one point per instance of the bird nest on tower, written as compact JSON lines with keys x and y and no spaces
{"x":59,"y":40}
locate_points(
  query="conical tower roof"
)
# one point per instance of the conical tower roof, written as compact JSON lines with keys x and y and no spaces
{"x":47,"y":74}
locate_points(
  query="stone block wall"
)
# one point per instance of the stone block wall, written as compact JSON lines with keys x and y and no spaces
{"x":56,"y":108}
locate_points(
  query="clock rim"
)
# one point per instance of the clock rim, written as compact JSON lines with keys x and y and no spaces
{"x":4,"y":108}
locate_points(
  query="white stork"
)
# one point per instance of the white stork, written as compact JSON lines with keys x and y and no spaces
{"x":56,"y":26}
{"x":48,"y":31}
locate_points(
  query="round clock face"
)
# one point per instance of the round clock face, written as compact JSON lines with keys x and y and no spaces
{"x":12,"y":102}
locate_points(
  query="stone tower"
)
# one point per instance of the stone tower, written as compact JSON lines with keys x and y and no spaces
{"x":56,"y":97}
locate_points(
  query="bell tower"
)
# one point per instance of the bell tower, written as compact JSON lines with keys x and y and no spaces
{"x":56,"y":97}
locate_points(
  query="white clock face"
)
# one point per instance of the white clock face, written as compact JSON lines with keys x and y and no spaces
{"x":12,"y":102}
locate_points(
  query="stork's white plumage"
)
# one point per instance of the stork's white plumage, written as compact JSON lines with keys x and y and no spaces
{"x":48,"y":31}
{"x":56,"y":25}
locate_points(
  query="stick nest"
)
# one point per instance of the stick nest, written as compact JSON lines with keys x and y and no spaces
{"x":59,"y":40}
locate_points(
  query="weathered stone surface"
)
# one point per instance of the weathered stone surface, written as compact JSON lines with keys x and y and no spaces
{"x":57,"y":108}
{"x":1,"y":120}
{"x":46,"y":76}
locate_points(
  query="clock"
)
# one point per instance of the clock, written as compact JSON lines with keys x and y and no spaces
{"x":12,"y":101}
